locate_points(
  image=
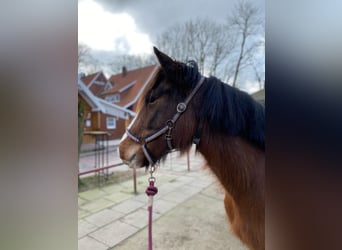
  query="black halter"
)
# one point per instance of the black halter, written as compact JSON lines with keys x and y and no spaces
{"x":167,"y":129}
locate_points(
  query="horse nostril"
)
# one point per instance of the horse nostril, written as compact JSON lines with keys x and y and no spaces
{"x":129,"y":162}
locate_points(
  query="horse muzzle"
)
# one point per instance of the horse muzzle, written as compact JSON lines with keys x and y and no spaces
{"x":132,"y":154}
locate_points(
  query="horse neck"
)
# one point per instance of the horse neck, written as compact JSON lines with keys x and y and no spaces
{"x":238,"y":165}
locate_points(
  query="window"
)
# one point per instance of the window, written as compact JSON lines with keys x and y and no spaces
{"x":88,"y":123}
{"x":111,"y":123}
{"x":113,"y":98}
{"x":116,"y":98}
{"x":107,"y":86}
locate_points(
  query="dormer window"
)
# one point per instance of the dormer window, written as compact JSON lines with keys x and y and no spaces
{"x":107,"y":86}
{"x":113,"y":98}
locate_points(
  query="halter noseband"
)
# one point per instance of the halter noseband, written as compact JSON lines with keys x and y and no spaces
{"x":167,"y":129}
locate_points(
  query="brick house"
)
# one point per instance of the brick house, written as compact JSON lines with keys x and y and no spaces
{"x":101,"y":115}
{"x":127,"y":89}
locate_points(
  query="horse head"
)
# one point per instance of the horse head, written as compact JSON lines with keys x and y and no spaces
{"x":160,"y":125}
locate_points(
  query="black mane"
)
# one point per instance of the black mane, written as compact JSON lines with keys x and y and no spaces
{"x":233,"y":112}
{"x":227,"y":110}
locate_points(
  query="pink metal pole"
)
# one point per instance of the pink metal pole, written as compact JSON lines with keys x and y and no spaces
{"x":93,"y":170}
{"x":188,"y":160}
{"x":135,"y":180}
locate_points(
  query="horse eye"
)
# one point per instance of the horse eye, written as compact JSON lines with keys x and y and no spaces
{"x":152,"y":99}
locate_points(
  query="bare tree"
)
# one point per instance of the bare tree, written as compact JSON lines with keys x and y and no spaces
{"x":130,"y":62}
{"x":222,"y":47}
{"x":258,"y":73}
{"x":169,"y":41}
{"x":94,"y":65}
{"x":87,"y":62}
{"x":258,"y":64}
{"x":221,"y":50}
{"x":246,"y":20}
{"x":205,"y":41}
{"x":83,"y":53}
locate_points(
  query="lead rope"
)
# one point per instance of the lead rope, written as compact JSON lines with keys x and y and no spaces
{"x":151,"y":190}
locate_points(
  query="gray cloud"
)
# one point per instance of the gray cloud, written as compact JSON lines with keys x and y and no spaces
{"x":152,"y":17}
{"x":155,"y":16}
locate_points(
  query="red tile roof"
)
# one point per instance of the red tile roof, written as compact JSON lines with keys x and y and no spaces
{"x":96,"y":89}
{"x":102,"y":105}
{"x":89,"y":78}
{"x":137,"y":79}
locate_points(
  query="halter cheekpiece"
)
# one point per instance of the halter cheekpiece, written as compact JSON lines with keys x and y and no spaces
{"x":167,"y":129}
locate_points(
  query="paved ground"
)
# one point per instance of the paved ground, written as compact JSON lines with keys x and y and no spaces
{"x":188,"y":212}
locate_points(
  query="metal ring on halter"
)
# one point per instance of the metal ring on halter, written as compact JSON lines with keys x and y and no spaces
{"x":181,"y":107}
{"x":170,"y":124}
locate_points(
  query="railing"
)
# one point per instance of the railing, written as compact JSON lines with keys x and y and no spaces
{"x":101,"y":159}
{"x":94,"y":170}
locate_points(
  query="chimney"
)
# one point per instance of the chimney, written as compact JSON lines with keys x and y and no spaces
{"x":124,"y":71}
{"x":82,"y":75}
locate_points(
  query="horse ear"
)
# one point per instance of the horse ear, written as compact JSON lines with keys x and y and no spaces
{"x":167,"y":64}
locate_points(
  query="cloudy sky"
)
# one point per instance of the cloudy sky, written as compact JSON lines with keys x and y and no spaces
{"x":132,"y":25}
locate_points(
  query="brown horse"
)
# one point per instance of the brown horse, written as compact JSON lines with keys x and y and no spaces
{"x":180,"y":107}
